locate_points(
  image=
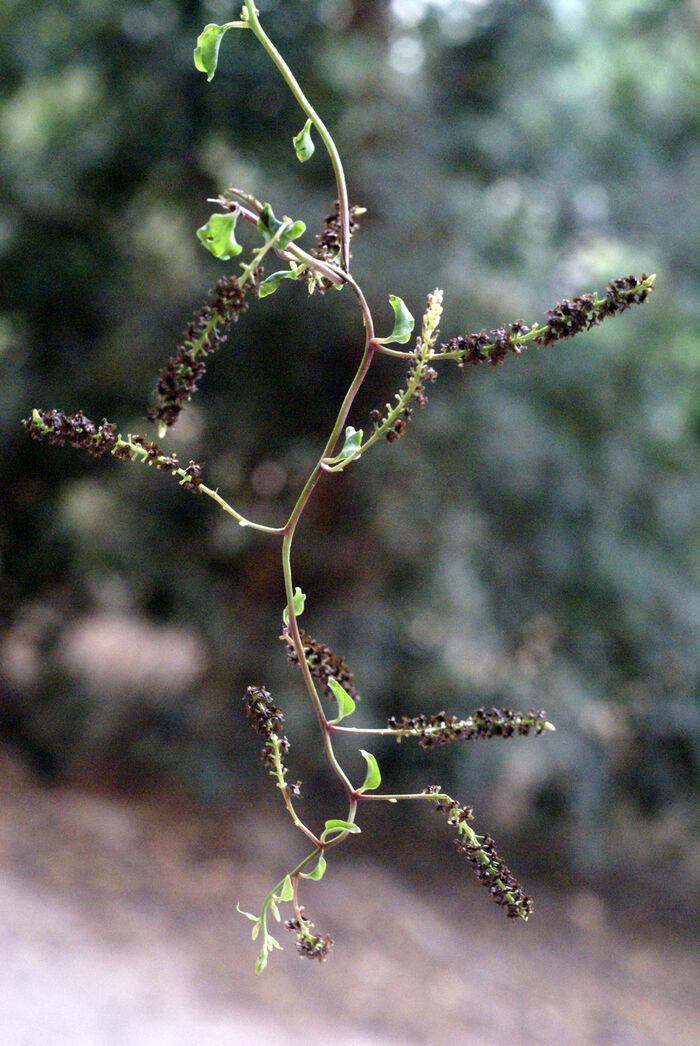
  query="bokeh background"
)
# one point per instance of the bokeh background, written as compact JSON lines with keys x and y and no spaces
{"x":532,"y":540}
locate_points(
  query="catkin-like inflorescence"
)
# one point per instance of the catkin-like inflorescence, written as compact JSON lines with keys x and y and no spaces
{"x":323,"y":663}
{"x":565,"y":320}
{"x":490,"y":869}
{"x":205,"y":334}
{"x":309,"y":944}
{"x":440,"y":729}
{"x":268,"y":721}
{"x":328,"y":240}
{"x":77,"y":430}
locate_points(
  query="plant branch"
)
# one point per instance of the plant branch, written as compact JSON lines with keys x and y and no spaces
{"x":323,"y":131}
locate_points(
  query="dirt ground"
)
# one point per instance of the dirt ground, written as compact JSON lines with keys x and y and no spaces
{"x":118,"y":926}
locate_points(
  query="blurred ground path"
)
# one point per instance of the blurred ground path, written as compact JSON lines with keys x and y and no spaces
{"x":118,"y":926}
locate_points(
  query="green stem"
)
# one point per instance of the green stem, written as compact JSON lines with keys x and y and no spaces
{"x":242,"y":521}
{"x":260,"y":254}
{"x":323,"y":131}
{"x":412,"y":795}
{"x":279,"y":773}
{"x":140,"y":453}
{"x":287,"y":567}
{"x":377,"y":731}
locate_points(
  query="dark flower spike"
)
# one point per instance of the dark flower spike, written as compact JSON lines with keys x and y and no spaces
{"x":309,"y":944}
{"x":328,"y":240}
{"x":204,"y":335}
{"x":79,"y":431}
{"x":480,"y":851}
{"x":440,"y":729}
{"x":323,"y":663}
{"x":268,"y":721}
{"x":565,"y":320}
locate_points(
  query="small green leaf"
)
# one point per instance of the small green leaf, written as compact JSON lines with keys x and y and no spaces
{"x":299,"y":600}
{"x":219,"y":236}
{"x":319,"y":870}
{"x":261,"y":962}
{"x":274,"y":909}
{"x":353,"y":442}
{"x":206,"y":53}
{"x":346,"y":705}
{"x":269,"y":226}
{"x":373,"y":778}
{"x":255,"y":931}
{"x":287,"y":891}
{"x":270,"y":285}
{"x":335,"y":825}
{"x":303,"y":143}
{"x":403,"y":323}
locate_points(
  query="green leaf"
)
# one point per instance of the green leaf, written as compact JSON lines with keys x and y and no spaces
{"x":373,"y":778}
{"x":261,"y":961}
{"x":335,"y":825}
{"x":287,"y":891}
{"x":206,"y":53}
{"x":219,"y":236}
{"x":403,"y":323}
{"x":353,"y":442}
{"x":298,"y":601}
{"x":319,"y":870}
{"x":346,"y":705}
{"x":269,"y":226}
{"x":270,"y":285}
{"x":303,"y":143}
{"x":275,"y":910}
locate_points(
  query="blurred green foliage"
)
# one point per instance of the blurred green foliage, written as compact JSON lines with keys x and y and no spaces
{"x":533,"y":540}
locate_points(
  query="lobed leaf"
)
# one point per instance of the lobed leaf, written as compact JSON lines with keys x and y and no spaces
{"x":373,"y":778}
{"x":287,"y":891}
{"x":353,"y":442}
{"x":346,"y":705}
{"x":335,"y":825}
{"x":298,"y":602}
{"x":206,"y":53}
{"x":303,"y":143}
{"x":270,"y":285}
{"x":319,"y":870}
{"x":269,"y":226}
{"x":219,"y":236}
{"x":403,"y":323}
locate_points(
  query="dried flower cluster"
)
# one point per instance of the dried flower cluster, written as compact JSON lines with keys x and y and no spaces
{"x":565,"y":320}
{"x":268,"y":721}
{"x":205,"y":334}
{"x":481,"y":853}
{"x":571,"y":317}
{"x":309,"y":944}
{"x":492,"y":347}
{"x":440,"y":729}
{"x":77,"y":430}
{"x":323,"y":663}
{"x":328,"y":240}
